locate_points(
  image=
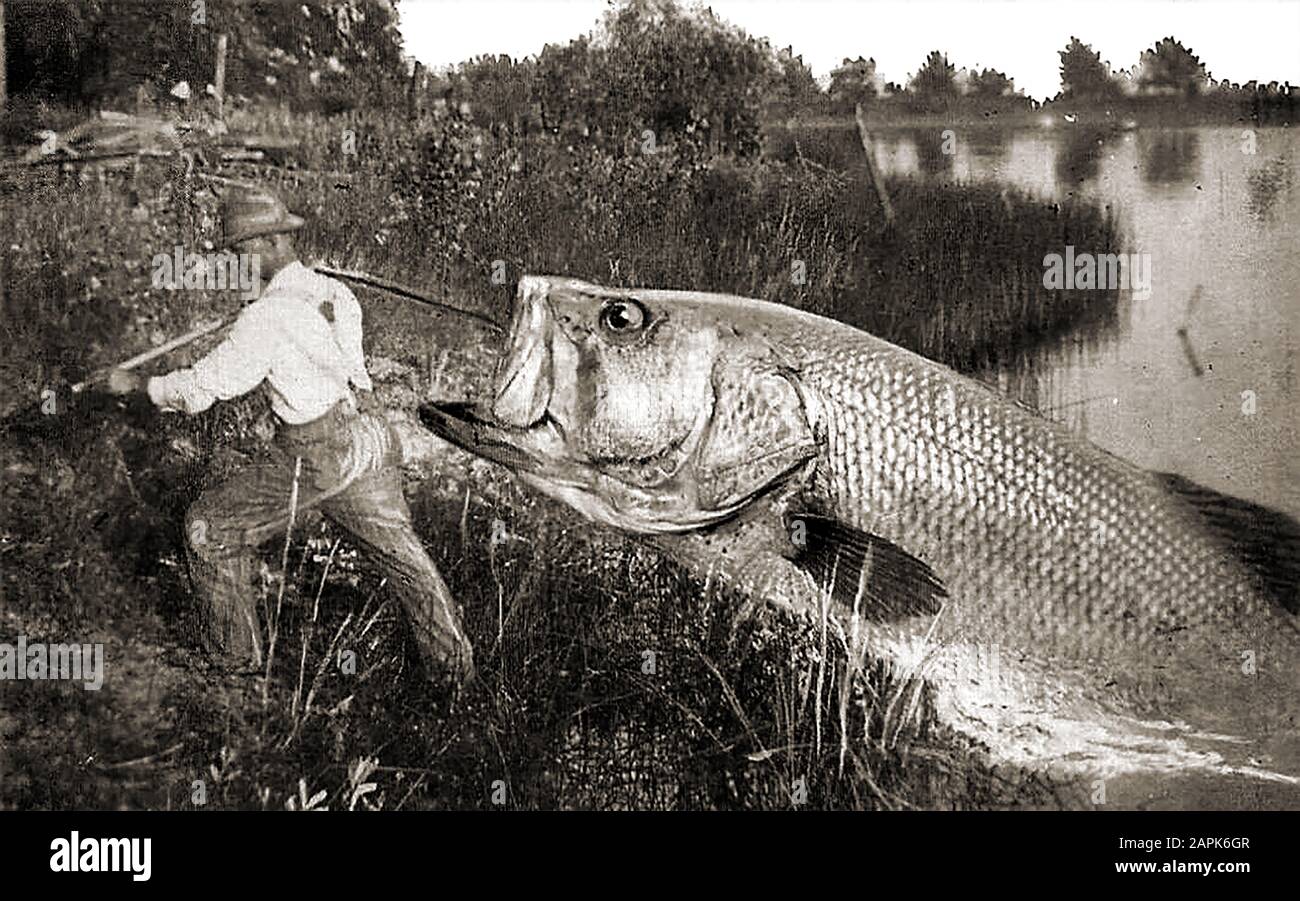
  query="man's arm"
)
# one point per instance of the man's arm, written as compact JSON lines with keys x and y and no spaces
{"x":347,"y":332}
{"x":235,"y":366}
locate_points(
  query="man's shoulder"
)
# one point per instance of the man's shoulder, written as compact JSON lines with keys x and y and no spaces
{"x":303,"y":281}
{"x":336,"y":287}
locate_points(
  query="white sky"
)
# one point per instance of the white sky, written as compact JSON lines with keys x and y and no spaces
{"x":1237,"y":40}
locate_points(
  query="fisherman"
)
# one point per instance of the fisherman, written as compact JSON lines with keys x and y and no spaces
{"x":301,"y":338}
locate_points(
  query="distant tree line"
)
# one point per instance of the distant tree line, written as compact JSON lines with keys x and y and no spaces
{"x":1166,"y":75}
{"x":688,"y":77}
{"x":651,"y":71}
{"x":1171,"y":78}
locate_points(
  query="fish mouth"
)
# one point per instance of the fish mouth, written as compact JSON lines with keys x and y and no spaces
{"x":514,"y":427}
{"x":464,"y":424}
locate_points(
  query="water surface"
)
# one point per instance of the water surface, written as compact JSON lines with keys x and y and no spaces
{"x":1201,"y":377}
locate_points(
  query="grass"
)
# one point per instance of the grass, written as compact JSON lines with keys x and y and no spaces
{"x":608,"y":676}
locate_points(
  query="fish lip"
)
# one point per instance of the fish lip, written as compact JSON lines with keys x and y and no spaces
{"x":522,"y":387}
{"x":461,"y":423}
{"x":441,"y":412}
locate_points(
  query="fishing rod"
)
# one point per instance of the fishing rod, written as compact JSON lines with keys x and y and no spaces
{"x":400,"y":290}
{"x":141,"y":358}
{"x":361,"y":278}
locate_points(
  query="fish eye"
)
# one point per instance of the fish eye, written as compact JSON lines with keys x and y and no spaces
{"x":623,"y":317}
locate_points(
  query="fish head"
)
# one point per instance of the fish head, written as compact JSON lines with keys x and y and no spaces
{"x":651,"y":411}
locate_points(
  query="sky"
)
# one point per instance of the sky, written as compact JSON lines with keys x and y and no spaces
{"x":1238,"y":41}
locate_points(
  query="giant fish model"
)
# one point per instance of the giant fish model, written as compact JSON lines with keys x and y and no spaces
{"x":1071,"y":611}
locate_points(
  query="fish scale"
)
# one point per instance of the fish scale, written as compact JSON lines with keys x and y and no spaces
{"x":1086,"y":555}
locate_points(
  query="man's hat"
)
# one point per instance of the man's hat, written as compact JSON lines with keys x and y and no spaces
{"x":253,"y":213}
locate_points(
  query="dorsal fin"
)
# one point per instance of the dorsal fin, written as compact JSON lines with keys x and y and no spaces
{"x":1265,"y":540}
{"x":893,"y":583}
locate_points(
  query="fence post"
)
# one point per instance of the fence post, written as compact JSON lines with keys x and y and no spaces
{"x":219,"y":80}
{"x":874,"y":178}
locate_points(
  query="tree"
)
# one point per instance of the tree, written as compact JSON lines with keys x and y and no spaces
{"x":793,"y":81}
{"x":683,"y":76}
{"x":567,"y":86}
{"x":1171,"y":68}
{"x":989,"y":84}
{"x":499,"y":87}
{"x":44,"y":42}
{"x":1083,"y":75}
{"x":853,"y":82}
{"x":935,"y":83}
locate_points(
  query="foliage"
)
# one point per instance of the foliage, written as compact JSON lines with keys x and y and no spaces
{"x":989,"y":83}
{"x":318,"y":53}
{"x":1083,"y":74}
{"x":1171,"y":67}
{"x":500,"y":88}
{"x":794,"y":83}
{"x":654,"y":71}
{"x":853,"y":82}
{"x":935,"y":77}
{"x":44,"y":40}
{"x":438,"y":189}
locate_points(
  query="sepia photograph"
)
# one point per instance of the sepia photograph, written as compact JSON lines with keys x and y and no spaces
{"x":649,"y":405}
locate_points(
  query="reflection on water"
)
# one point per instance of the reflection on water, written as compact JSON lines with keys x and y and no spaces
{"x":1268,"y":183}
{"x":934,"y":150}
{"x":988,"y":144}
{"x":1169,"y":157}
{"x":1078,"y":158}
{"x":1200,"y":378}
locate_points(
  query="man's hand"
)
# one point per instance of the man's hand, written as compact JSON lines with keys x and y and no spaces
{"x":122,"y":381}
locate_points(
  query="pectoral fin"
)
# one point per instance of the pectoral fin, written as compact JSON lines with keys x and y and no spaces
{"x":864,"y":572}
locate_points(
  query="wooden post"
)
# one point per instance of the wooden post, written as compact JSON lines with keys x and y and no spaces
{"x":219,"y":80}
{"x":413,"y":101}
{"x":876,"y":183}
{"x":4,"y":88}
{"x":4,"y":291}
